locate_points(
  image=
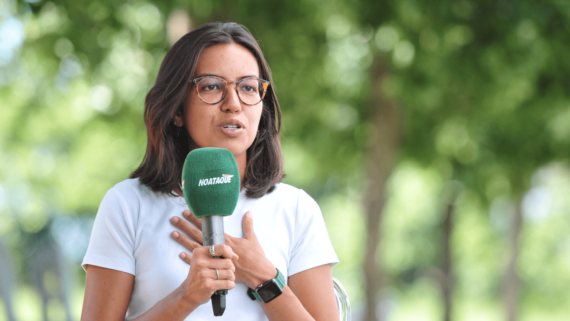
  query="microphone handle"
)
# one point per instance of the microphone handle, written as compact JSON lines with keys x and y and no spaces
{"x":213,"y":233}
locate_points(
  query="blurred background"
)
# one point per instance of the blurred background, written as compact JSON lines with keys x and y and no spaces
{"x":435,"y":136}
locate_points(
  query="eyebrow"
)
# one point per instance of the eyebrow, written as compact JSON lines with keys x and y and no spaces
{"x":205,"y":75}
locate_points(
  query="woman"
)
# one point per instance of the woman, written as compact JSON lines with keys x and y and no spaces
{"x":213,"y":90}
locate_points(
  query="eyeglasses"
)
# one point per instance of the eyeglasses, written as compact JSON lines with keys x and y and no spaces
{"x":213,"y":89}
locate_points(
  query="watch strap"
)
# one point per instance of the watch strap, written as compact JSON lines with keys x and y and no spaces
{"x":279,"y":279}
{"x":253,"y":295}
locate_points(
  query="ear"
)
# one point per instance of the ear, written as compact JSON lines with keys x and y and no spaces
{"x":178,"y":121}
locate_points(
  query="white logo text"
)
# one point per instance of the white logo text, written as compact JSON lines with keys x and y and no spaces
{"x":225,"y":179}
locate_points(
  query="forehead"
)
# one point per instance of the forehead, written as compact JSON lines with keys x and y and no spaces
{"x":230,"y":61}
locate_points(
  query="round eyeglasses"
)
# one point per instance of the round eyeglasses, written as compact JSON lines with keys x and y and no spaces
{"x":213,"y":89}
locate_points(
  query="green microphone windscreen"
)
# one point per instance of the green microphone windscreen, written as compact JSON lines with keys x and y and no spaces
{"x":210,"y":181}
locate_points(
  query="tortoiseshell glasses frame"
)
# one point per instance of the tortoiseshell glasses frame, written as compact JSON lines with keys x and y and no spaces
{"x":252,"y":95}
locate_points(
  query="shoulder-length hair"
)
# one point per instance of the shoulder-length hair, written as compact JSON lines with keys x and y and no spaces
{"x":168,"y":145}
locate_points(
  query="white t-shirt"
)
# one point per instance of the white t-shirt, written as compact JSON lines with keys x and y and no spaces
{"x":132,"y":233}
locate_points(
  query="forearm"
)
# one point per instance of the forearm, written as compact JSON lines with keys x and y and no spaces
{"x":173,"y":307}
{"x":286,"y":307}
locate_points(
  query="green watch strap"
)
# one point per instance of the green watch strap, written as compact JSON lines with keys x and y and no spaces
{"x":253,"y":295}
{"x":279,"y":279}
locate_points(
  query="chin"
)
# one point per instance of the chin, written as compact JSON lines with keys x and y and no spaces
{"x":235,"y":149}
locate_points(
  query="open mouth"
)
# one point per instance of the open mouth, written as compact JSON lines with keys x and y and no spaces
{"x":232,"y":127}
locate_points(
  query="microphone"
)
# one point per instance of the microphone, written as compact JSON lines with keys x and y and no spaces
{"x":211,"y":186}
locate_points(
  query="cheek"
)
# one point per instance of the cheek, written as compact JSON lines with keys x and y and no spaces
{"x":197,"y":123}
{"x":254,"y":119}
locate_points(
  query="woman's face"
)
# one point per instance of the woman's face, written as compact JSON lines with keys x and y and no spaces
{"x":211,"y":125}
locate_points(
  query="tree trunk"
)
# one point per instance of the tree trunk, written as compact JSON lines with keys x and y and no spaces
{"x":7,"y":280}
{"x":511,"y":290}
{"x":447,"y":264}
{"x":380,"y":160}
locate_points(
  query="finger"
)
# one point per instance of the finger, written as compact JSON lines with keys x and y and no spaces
{"x":248,"y":231}
{"x":224,"y":284}
{"x":188,"y":214}
{"x":230,"y":241}
{"x":203,"y":255}
{"x":224,"y":275}
{"x":192,"y":231}
{"x":215,"y":285}
{"x":220,"y":264}
{"x":186,"y":257}
{"x":186,"y":242}
{"x":225,"y":251}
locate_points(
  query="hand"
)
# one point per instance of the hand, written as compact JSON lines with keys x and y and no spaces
{"x":202,"y":280}
{"x":252,"y":268}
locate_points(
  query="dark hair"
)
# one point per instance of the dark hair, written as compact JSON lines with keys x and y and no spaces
{"x":168,"y":145}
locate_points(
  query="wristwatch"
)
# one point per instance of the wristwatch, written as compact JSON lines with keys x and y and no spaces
{"x":268,"y":290}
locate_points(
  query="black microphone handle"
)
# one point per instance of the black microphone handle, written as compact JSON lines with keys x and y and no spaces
{"x":213,"y":233}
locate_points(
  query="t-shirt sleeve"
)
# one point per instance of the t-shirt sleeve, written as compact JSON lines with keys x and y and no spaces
{"x":112,"y":240}
{"x":312,"y":245}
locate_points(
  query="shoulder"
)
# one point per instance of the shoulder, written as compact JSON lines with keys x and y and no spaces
{"x":129,"y":196}
{"x":284,"y":190}
{"x":126,"y":202}
{"x":283,"y":193}
{"x":291,"y":197}
{"x":128,"y":186}
{"x":130,"y":189}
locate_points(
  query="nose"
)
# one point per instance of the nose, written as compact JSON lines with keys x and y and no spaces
{"x":231,"y":103}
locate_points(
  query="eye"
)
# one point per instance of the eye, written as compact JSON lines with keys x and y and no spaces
{"x":249,"y":86}
{"x":248,"y":89}
{"x":210,"y":87}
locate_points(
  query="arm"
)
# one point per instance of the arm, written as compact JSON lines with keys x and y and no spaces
{"x":309,"y":295}
{"x":107,"y":292}
{"x":315,"y":290}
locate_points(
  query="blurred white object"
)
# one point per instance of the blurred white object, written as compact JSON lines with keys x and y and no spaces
{"x":342,"y":301}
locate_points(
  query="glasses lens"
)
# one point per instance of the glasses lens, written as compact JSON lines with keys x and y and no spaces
{"x":250,"y":91}
{"x":211,"y":90}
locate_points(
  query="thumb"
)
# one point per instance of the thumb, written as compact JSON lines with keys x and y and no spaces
{"x":248,"y":231}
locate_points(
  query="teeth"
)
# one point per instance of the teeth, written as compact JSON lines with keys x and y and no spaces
{"x":231,"y":126}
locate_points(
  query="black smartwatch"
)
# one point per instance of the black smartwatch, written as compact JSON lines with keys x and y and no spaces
{"x":268,"y":290}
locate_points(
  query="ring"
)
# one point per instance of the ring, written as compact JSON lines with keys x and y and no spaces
{"x":218,"y":274}
{"x":212,"y":250}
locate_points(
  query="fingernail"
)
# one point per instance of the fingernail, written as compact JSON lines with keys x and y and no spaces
{"x":175,"y":219}
{"x":183,"y":255}
{"x":175,"y":234}
{"x":236,"y":257}
{"x":186,"y":213}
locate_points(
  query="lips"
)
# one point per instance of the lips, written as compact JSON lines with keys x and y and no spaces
{"x":232,"y":127}
{"x":232,"y":124}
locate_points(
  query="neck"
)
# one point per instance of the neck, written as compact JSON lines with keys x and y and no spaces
{"x":241,"y":161}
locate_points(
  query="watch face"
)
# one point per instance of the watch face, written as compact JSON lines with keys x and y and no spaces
{"x":269,"y":291}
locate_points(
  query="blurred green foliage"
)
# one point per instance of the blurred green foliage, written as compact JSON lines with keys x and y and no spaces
{"x":481,"y":87}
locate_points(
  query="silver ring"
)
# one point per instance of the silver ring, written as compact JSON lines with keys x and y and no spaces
{"x":218,"y":274}
{"x":212,"y":250}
